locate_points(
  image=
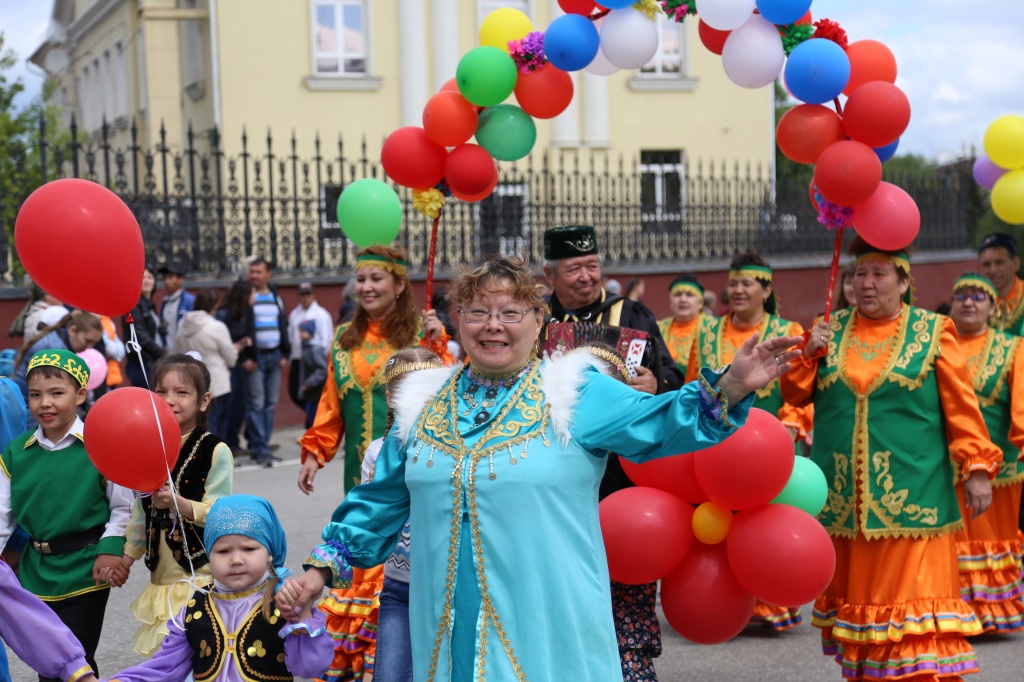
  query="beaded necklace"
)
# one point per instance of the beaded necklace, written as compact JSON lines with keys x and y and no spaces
{"x":490,"y":383}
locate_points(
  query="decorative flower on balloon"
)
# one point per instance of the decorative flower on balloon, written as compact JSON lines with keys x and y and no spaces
{"x":648,"y":7}
{"x":429,"y":202}
{"x":678,"y":10}
{"x":794,"y":34}
{"x":831,"y":30}
{"x":833,"y":216}
{"x":528,"y":53}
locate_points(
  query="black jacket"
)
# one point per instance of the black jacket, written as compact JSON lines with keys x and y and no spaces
{"x":239,"y":329}
{"x":147,"y":330}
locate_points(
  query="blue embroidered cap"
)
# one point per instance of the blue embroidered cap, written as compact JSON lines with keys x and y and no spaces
{"x":252,"y":517}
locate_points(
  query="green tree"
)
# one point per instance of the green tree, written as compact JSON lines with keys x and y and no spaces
{"x":22,"y":134}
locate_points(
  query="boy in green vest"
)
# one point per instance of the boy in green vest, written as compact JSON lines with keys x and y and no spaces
{"x":75,"y":518}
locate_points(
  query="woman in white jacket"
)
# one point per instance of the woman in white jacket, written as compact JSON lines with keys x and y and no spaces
{"x":200,"y":331}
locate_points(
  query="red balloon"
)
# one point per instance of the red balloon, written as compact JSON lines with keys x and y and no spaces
{"x":780,"y":554}
{"x":448,"y":119}
{"x":127,"y":416}
{"x":412,"y":159}
{"x":870,"y":60}
{"x":889,"y":219}
{"x":702,"y":599}
{"x":544,"y":93}
{"x":70,"y":224}
{"x":712,"y":38}
{"x":470,"y":198}
{"x":750,"y":467}
{"x":647,"y":532}
{"x":848,"y":172}
{"x":450,"y":84}
{"x":876,"y":113}
{"x":584,"y":7}
{"x":806,"y":130}
{"x":672,"y":474}
{"x":470,"y":170}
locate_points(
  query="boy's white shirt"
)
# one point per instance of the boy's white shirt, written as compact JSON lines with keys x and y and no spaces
{"x":119,"y":498}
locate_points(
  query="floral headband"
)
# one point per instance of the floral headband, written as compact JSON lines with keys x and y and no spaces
{"x":396,"y":266}
{"x":405,"y":367}
{"x":686,"y":286}
{"x":974,"y":281}
{"x":900,"y":260}
{"x":758,"y":272}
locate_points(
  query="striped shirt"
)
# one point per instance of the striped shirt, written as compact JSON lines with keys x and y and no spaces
{"x":268,"y":330}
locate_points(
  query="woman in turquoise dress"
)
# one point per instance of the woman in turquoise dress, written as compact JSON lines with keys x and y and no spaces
{"x":498,"y":464}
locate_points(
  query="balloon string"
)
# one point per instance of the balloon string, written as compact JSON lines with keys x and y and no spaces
{"x":430,"y":260}
{"x":599,"y":15}
{"x":133,"y":345}
{"x":839,"y":107}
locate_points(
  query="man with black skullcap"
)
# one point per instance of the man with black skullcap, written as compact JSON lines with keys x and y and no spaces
{"x":573,"y":266}
{"x":999,"y":261}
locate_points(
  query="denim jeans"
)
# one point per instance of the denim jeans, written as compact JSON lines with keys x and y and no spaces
{"x":217,"y":423}
{"x":263,"y":390}
{"x":235,"y":410}
{"x":393,"y":662}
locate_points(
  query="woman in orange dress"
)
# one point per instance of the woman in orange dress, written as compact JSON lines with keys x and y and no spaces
{"x":686,"y":301}
{"x":896,"y":422}
{"x":353,"y":406}
{"x":754,"y":308}
{"x":989,"y":547}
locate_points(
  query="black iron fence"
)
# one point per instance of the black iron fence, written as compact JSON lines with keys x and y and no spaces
{"x":208,"y":205}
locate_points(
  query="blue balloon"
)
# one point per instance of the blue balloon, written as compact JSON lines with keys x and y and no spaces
{"x":571,"y":42}
{"x":617,"y":4}
{"x":888,"y":151}
{"x":817,"y":71}
{"x":783,"y":12}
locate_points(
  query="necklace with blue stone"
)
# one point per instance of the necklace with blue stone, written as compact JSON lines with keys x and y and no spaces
{"x":489,"y":384}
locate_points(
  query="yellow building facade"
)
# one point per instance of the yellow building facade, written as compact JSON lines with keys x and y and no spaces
{"x":365,"y":67}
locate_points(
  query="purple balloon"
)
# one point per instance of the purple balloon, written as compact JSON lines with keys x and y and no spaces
{"x":986,"y":173}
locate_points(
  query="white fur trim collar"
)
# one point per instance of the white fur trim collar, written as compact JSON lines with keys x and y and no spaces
{"x":414,"y":393}
{"x":561,"y":380}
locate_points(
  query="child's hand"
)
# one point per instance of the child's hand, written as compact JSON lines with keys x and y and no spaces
{"x":164,"y":498}
{"x":105,"y":569}
{"x":119,"y":575}
{"x":287,"y":600}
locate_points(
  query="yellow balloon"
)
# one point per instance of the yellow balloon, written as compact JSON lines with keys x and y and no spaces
{"x":1004,"y":142}
{"x":1008,"y":197}
{"x":711,"y":523}
{"x":503,"y":25}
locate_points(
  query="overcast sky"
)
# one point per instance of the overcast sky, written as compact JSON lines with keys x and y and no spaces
{"x":960,"y":63}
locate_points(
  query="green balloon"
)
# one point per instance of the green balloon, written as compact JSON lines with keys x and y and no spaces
{"x":486,"y":76}
{"x":506,"y":131}
{"x":807,"y":488}
{"x":369,"y":212}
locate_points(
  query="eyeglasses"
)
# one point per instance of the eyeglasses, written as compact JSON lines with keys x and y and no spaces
{"x":505,"y":315}
{"x":977,"y":297}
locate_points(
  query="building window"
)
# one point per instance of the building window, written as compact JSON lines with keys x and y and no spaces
{"x":670,"y":61}
{"x":110,"y":92}
{"x":485,"y":7}
{"x":503,"y":220}
{"x":140,"y":54}
{"x":121,"y":78}
{"x":662,"y":191}
{"x":195,"y":71}
{"x":102,"y":87}
{"x":340,"y":37}
{"x":85,"y":98}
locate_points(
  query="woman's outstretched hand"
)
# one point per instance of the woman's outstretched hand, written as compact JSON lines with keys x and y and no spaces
{"x":758,"y":364}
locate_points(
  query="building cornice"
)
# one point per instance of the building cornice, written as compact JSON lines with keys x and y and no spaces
{"x":361,"y":83}
{"x":647,"y":84}
{"x":96,"y":13}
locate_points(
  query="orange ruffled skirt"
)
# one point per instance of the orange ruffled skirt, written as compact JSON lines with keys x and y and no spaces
{"x":989,"y":554}
{"x":893,"y":611}
{"x":352,"y":622}
{"x":779,"y":618}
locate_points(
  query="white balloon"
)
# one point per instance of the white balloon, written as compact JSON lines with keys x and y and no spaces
{"x":753,"y":54}
{"x":629,"y":39}
{"x":600,"y":66}
{"x":726,"y":15}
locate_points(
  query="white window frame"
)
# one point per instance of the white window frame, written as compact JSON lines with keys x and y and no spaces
{"x":110,"y":93}
{"x":663,"y":212}
{"x":645,"y":81}
{"x":340,"y":54}
{"x":121,"y":77}
{"x":140,"y":65}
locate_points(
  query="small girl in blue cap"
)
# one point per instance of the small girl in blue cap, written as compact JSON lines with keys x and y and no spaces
{"x":234,"y":632}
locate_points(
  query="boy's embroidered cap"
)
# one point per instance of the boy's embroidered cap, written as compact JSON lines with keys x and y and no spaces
{"x":62,"y":358}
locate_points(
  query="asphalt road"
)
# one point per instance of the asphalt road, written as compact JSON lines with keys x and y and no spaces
{"x":755,"y":655}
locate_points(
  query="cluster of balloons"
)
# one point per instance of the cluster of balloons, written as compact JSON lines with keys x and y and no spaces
{"x":1001,"y":167}
{"x":722,"y":527}
{"x":63,"y":227}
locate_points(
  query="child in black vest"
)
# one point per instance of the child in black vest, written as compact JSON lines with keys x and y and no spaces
{"x":234,"y":631}
{"x":166,"y":528}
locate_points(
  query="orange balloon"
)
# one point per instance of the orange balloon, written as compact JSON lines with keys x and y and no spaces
{"x":806,"y":130}
{"x":448,"y":119}
{"x":544,"y":93}
{"x":711,"y":523}
{"x":450,"y":84}
{"x":870,"y":60}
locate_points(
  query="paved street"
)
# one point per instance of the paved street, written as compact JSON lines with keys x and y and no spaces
{"x":755,"y":655}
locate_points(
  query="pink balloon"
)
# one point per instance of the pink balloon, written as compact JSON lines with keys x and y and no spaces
{"x":97,"y":367}
{"x":889,"y":219}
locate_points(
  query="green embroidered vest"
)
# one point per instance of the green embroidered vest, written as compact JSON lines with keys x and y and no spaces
{"x":1009,"y":320}
{"x":710,"y":345}
{"x":992,"y":386}
{"x":884,"y":453}
{"x":363,"y":408}
{"x":680,"y":349}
